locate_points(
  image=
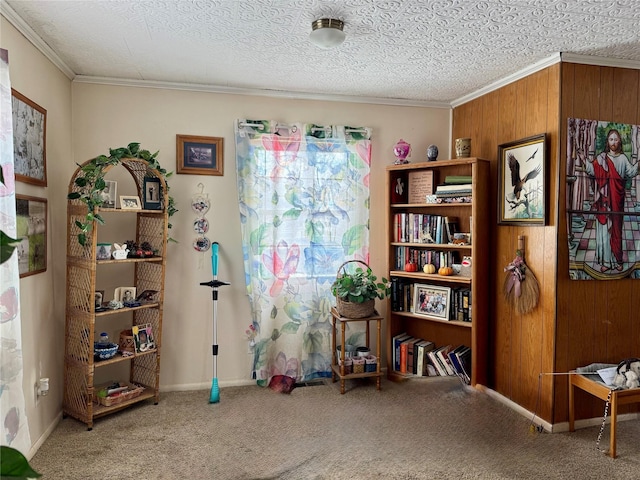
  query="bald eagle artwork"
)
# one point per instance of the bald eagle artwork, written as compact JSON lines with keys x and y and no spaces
{"x":516,"y":181}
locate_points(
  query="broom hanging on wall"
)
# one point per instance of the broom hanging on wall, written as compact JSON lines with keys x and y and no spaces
{"x":520,"y":289}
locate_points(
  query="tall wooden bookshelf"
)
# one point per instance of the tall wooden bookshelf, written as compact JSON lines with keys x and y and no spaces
{"x":85,"y":276}
{"x":473,"y":218}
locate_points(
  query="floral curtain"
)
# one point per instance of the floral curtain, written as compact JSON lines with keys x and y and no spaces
{"x":12,"y":405}
{"x":304,"y":206}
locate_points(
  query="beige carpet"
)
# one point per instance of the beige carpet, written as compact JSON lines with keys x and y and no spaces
{"x":433,"y":428}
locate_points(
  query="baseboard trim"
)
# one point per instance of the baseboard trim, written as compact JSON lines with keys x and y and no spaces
{"x":553,"y":427}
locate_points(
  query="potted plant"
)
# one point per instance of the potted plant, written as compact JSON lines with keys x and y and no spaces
{"x":91,"y":184}
{"x":356,"y":292}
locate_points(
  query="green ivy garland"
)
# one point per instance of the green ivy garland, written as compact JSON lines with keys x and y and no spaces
{"x":92,"y":184}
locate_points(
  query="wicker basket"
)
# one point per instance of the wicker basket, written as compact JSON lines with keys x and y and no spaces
{"x":350,"y":309}
{"x":133,"y":392}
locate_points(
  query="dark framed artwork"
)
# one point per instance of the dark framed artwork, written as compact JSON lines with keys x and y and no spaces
{"x":152,"y":193}
{"x":29,"y":140}
{"x":31,"y":222}
{"x":199,"y":155}
{"x":522,"y":195}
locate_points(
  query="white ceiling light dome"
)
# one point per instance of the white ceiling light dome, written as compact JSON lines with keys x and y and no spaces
{"x":327,"y":33}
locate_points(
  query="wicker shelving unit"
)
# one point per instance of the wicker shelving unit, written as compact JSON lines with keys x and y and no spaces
{"x":83,"y":279}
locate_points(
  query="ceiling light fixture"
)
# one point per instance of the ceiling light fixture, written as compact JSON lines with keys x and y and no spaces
{"x":327,"y":33}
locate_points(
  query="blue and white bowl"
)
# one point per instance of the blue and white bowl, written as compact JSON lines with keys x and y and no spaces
{"x":103,"y":351}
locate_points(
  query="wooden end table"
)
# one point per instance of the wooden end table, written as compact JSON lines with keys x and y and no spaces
{"x":337,"y":368}
{"x":601,"y":391}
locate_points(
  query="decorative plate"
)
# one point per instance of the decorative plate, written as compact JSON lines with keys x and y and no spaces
{"x":200,"y":204}
{"x":202,"y":244}
{"x":201,"y":225}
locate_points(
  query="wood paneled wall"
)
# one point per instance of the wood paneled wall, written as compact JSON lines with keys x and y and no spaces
{"x":576,"y":322}
{"x":521,"y":346}
{"x":597,"y":321}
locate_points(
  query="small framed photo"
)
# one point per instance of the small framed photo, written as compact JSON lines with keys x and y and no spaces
{"x":199,"y":155}
{"x":31,"y":229}
{"x":152,"y":193}
{"x":109,"y":194}
{"x":143,"y":337}
{"x":130,"y":202}
{"x":522,"y":195}
{"x":431,"y":300}
{"x":29,"y":140}
{"x":125,"y":294}
{"x":99,"y":300}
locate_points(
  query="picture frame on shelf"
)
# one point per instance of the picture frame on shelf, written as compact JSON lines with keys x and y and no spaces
{"x":522,"y":189}
{"x":143,"y":337}
{"x":109,"y":194}
{"x":431,"y":300}
{"x":152,"y":193}
{"x":197,"y":155}
{"x":31,"y":229}
{"x":29,"y":140}
{"x":130,"y":202}
{"x":99,"y":300}
{"x":125,"y":294}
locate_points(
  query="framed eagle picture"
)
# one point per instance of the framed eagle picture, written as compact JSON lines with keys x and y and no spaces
{"x":522,"y":194}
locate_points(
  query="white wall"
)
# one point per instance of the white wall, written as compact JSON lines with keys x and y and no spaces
{"x":85,"y":120}
{"x":113,"y":116}
{"x":42,"y":295}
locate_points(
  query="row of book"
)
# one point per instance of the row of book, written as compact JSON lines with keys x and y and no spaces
{"x":422,"y":257}
{"x":422,"y":358}
{"x":453,"y":303}
{"x":424,"y":228}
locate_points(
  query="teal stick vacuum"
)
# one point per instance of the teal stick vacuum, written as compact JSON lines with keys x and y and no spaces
{"x":214,"y":397}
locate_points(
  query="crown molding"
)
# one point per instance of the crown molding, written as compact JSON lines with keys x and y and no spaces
{"x":525,"y":72}
{"x":256,"y":92}
{"x":600,"y":61}
{"x":12,"y":17}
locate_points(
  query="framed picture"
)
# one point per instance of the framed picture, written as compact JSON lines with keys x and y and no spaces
{"x":99,"y":300}
{"x":128,"y":202}
{"x":31,"y":223}
{"x":522,"y":182}
{"x":125,"y":294}
{"x":109,"y":194}
{"x":199,"y":155}
{"x":29,"y":140}
{"x":143,"y":337}
{"x":431,"y":300}
{"x":152,"y":193}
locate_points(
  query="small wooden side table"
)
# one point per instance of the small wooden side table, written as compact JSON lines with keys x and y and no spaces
{"x":601,"y":391}
{"x":337,"y":368}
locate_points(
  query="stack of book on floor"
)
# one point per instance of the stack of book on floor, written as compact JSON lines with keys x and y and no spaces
{"x":419,"y":357}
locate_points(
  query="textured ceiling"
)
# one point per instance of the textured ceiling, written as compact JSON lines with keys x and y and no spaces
{"x":413,"y":50}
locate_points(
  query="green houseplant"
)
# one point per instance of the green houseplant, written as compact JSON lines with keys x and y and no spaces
{"x":92,"y":184}
{"x":357,"y":291}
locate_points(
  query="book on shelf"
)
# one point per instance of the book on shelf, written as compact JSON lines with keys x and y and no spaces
{"x":437,"y":363}
{"x":411,"y":346}
{"x":464,"y":359}
{"x":443,"y":356}
{"x":397,"y":340}
{"x":404,"y":352}
{"x":458,"y":179}
{"x":454,"y":190}
{"x":423,"y":347}
{"x":457,"y":365}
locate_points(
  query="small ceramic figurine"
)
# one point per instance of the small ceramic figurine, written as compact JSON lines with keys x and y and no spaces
{"x":401,"y":150}
{"x":432,"y":153}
